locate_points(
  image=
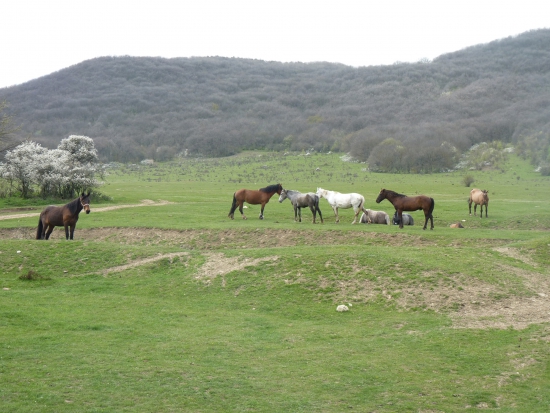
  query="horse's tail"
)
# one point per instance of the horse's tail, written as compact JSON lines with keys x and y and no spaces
{"x":432,"y":206}
{"x":39,"y":229}
{"x":233,"y":206}
{"x":362,"y":206}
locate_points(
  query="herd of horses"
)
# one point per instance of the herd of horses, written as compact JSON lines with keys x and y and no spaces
{"x":356,"y":201}
{"x":67,"y":215}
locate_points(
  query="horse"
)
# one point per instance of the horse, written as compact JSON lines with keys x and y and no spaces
{"x":64,"y":216}
{"x":299,"y":200}
{"x":405,"y":203}
{"x":253,"y":197}
{"x":338,"y":200}
{"x":374,"y":217}
{"x":457,"y":225}
{"x":407,"y":219}
{"x":479,"y":197}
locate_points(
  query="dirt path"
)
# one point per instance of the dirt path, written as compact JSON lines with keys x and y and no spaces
{"x":144,"y":202}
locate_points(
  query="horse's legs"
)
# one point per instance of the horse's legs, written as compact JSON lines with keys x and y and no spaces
{"x":400,"y":218}
{"x":67,"y":231}
{"x":72,"y":231}
{"x":48,"y":232}
{"x":470,"y":206}
{"x":240,"y":205}
{"x":335,"y":209}
{"x":262,"y":212}
{"x":356,"y":210}
{"x":313,"y":212}
{"x":486,"y":208}
{"x":320,"y":215}
{"x":475,"y":207}
{"x":299,"y":214}
{"x":295,"y":213}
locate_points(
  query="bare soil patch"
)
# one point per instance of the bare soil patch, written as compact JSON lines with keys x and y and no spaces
{"x":469,"y":302}
{"x":144,"y":202}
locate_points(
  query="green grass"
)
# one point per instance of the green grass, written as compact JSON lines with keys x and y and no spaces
{"x":198,"y":332}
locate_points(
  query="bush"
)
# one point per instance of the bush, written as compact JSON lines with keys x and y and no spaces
{"x":468,"y":180}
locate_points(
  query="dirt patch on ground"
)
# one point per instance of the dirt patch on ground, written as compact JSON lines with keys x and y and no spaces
{"x":144,"y":202}
{"x":469,"y":302}
{"x":217,"y":264}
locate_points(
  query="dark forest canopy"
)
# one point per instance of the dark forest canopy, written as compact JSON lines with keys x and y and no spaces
{"x":427,"y":113}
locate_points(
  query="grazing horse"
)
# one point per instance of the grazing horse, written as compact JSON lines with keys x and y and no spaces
{"x":253,"y":197}
{"x":479,"y":197}
{"x":374,"y":217}
{"x":407,"y":219}
{"x":299,"y":200}
{"x":405,"y":203}
{"x":64,"y":216}
{"x":338,"y":200}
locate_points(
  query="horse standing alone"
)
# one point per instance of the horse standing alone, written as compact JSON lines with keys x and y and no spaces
{"x":253,"y":197}
{"x":405,"y":203}
{"x":479,"y":197}
{"x":64,"y":216}
{"x":299,"y":200}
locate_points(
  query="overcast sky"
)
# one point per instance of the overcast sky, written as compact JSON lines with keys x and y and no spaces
{"x":40,"y":37}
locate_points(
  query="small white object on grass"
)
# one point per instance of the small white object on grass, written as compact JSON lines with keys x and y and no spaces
{"x":341,"y":308}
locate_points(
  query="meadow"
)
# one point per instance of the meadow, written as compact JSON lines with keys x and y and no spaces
{"x":164,"y":304}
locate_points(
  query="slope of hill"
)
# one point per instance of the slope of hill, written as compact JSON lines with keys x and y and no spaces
{"x":427,"y":113}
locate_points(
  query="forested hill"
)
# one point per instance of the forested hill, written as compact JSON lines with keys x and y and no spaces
{"x":428,"y":112}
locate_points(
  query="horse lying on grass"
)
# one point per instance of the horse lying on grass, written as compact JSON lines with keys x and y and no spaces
{"x":374,"y":217}
{"x":407,"y":219}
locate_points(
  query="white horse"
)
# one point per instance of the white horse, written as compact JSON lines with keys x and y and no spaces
{"x":338,"y":200}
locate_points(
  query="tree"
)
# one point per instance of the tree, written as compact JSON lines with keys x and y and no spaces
{"x":65,"y":171}
{"x":21,"y":166}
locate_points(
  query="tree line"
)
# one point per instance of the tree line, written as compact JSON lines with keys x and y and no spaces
{"x":407,"y":117}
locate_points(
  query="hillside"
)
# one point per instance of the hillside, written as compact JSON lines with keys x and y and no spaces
{"x":427,"y":113}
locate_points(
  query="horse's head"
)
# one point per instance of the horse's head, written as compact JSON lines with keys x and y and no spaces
{"x":283,"y":195}
{"x":381,"y":196}
{"x":85,"y":202}
{"x":320,"y":192}
{"x":279,"y":189}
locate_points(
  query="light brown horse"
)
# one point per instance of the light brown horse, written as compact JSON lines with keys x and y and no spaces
{"x":63,"y":216}
{"x":253,"y":197}
{"x":479,"y":197}
{"x":405,"y":203}
{"x":374,"y":217}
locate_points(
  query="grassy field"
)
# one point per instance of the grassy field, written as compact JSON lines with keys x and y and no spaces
{"x":164,"y":304}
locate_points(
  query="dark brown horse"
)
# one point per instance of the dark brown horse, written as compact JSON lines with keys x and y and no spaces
{"x":253,"y":197}
{"x":404,"y":203}
{"x":64,"y":216}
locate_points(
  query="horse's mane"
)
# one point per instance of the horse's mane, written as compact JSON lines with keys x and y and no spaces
{"x":74,"y":205}
{"x":395,"y":193}
{"x":271,"y":188}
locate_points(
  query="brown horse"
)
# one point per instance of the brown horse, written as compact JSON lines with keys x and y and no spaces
{"x":404,"y":203}
{"x":253,"y":197}
{"x":479,"y":197}
{"x":64,"y":216}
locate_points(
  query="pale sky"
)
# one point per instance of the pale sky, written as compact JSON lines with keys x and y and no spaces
{"x":40,"y":37}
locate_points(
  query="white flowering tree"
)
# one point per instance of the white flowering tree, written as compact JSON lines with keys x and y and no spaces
{"x":21,"y":166}
{"x":81,"y":166}
{"x":65,"y":171}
